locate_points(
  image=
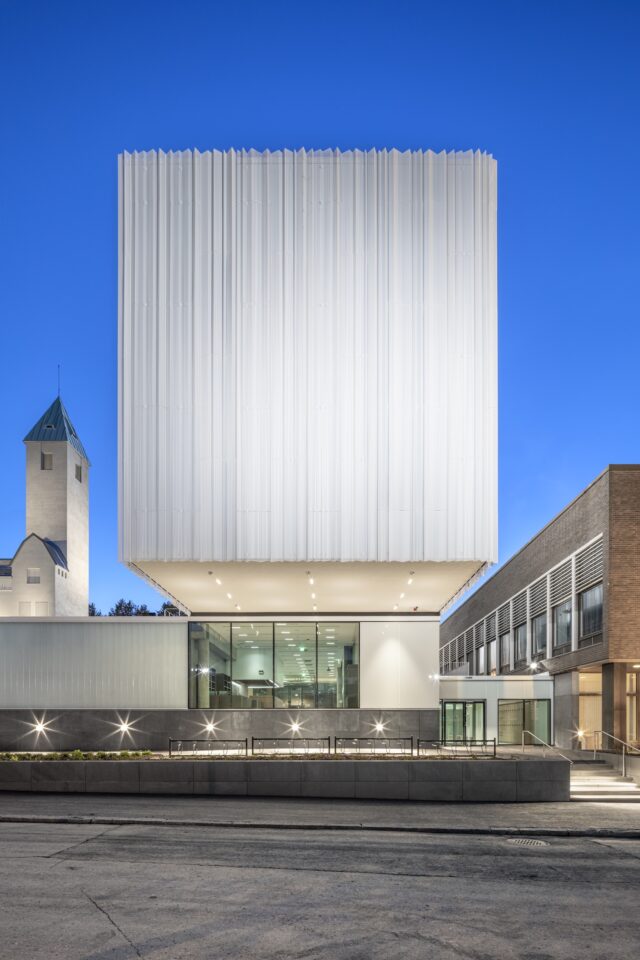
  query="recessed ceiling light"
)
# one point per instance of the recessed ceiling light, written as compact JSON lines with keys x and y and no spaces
{"x":229,"y":596}
{"x":331,"y":643}
{"x":402,"y":596}
{"x":395,"y":606}
{"x":314,"y":607}
{"x":410,"y":581}
{"x":313,"y":596}
{"x":242,"y":634}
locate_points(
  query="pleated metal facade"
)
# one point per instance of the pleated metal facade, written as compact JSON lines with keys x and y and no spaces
{"x":307,"y":356}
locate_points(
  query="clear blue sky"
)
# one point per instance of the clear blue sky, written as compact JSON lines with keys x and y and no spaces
{"x":552,"y":89}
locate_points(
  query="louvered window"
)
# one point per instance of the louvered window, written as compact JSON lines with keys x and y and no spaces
{"x":520,"y":608}
{"x":538,"y":597}
{"x":504,"y":618}
{"x":468,"y":641}
{"x":478,"y":638}
{"x":589,"y":566}
{"x":460,"y":649}
{"x":560,"y":585}
{"x":490,"y":627}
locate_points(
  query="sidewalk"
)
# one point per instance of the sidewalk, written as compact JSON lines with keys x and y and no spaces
{"x":542,"y":819}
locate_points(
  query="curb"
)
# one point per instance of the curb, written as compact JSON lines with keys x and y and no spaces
{"x":368,"y":827}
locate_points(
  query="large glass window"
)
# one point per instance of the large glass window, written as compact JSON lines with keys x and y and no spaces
{"x":252,"y":670}
{"x":295,"y":657}
{"x":491,"y":650}
{"x":209,"y":665}
{"x":463,"y":720}
{"x":520,"y":645}
{"x":338,"y":664}
{"x":264,"y":665}
{"x":505,"y":660}
{"x":480,"y":662}
{"x":590,"y":607}
{"x":524,"y":717}
{"x":539,"y":637}
{"x":562,"y":627}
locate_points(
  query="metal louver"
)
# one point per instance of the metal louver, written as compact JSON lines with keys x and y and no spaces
{"x":478,"y":638}
{"x":490,"y":627}
{"x":560,"y":582}
{"x":504,"y":618}
{"x":468,"y":641}
{"x":589,"y":566}
{"x":538,"y":597}
{"x":520,"y":608}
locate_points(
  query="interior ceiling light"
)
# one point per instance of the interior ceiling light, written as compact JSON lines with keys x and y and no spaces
{"x":229,"y":596}
{"x":402,"y":596}
{"x":395,"y":606}
{"x":313,"y":596}
{"x":314,"y":607}
{"x":410,"y":581}
{"x":219,"y":581}
{"x":636,"y":666}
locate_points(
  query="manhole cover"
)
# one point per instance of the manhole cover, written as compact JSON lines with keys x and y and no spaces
{"x":528,"y":842}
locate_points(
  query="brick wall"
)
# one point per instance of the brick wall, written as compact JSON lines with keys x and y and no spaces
{"x":624,"y":563}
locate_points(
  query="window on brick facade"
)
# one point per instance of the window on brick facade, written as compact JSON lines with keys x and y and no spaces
{"x":590,"y":611}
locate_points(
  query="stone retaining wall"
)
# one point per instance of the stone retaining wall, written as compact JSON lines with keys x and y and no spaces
{"x":74,"y":729}
{"x":442,"y":781}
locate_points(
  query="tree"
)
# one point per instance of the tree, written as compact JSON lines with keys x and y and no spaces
{"x":143,"y":611}
{"x":123,"y":608}
{"x":93,"y":611}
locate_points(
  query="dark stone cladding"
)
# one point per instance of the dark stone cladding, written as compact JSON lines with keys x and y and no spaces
{"x":427,"y":780}
{"x":151,"y":729}
{"x":583,"y":519}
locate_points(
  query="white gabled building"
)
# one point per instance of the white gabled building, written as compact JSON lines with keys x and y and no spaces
{"x":48,"y":576}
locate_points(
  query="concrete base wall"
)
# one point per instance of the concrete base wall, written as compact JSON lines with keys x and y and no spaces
{"x":441,"y":781}
{"x":151,"y":729}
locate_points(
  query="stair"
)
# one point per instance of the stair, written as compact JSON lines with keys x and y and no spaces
{"x":595,"y":781}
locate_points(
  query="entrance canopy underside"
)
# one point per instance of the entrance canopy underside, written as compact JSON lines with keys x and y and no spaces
{"x":307,"y":588}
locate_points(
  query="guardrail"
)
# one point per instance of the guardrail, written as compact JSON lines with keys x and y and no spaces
{"x":460,"y":747}
{"x":291,"y":745}
{"x":545,"y":746}
{"x":223,"y":747}
{"x":626,"y":747}
{"x":373,"y":745}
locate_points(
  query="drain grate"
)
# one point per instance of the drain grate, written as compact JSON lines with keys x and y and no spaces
{"x":528,"y":842}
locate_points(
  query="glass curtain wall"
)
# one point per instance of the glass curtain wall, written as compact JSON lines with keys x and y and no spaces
{"x":265,"y":665}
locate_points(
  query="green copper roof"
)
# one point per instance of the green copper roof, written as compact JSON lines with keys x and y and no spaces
{"x":55,"y":425}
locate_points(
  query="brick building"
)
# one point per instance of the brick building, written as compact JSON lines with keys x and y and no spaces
{"x":568,"y":603}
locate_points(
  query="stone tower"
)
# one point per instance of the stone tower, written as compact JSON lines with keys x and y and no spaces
{"x":57,"y":474}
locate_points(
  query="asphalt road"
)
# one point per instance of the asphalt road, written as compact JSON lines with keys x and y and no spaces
{"x":75,"y":891}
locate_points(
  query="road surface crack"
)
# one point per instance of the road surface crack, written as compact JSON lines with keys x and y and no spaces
{"x":112,"y":922}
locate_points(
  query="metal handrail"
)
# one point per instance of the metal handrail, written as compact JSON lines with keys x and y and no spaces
{"x":625,"y":746}
{"x":544,"y":745}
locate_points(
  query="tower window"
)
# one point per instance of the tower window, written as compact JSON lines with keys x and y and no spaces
{"x":79,"y":472}
{"x":46,"y":461}
{"x":33,"y":574}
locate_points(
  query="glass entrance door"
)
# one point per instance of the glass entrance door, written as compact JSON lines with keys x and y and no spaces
{"x":463,"y":719}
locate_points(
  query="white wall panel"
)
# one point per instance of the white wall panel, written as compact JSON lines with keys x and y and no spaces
{"x":307,"y":356}
{"x":396,"y":661}
{"x":96,"y":664}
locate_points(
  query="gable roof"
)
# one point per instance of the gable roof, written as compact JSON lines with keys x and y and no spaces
{"x":54,"y":425}
{"x":54,"y":550}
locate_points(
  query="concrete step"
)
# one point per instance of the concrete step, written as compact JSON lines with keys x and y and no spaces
{"x":605,"y":798}
{"x":601,"y":784}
